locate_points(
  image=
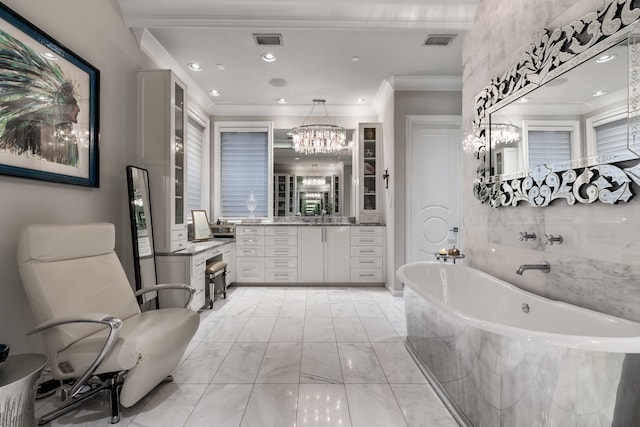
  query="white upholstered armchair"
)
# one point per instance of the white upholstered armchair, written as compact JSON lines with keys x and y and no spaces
{"x":90,"y":320}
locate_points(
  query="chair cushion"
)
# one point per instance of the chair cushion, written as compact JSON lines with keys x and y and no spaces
{"x":216,"y":266}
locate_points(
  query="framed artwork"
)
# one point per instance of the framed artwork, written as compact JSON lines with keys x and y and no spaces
{"x":49,"y":99}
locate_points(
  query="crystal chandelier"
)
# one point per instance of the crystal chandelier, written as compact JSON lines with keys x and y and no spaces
{"x":317,"y":139}
{"x":503,"y":133}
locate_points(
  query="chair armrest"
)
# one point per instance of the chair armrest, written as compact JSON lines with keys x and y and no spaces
{"x":114,"y":325}
{"x":170,"y":286}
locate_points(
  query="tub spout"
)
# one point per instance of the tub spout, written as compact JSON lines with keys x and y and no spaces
{"x":544,"y":267}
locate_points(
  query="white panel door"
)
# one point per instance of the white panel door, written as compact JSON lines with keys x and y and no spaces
{"x":433,"y":150}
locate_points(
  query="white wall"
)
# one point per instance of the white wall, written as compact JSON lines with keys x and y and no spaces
{"x":95,"y":31}
{"x":598,"y":264}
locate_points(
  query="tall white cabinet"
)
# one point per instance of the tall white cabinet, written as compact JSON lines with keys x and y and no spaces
{"x":370,"y":164}
{"x":161,"y":132}
{"x":324,"y":254}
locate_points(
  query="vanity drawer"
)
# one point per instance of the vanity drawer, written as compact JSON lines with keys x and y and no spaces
{"x":198,"y":301}
{"x":246,"y":251}
{"x":250,"y":269}
{"x":282,"y":231}
{"x":178,"y":245}
{"x":282,"y":275}
{"x":366,"y":262}
{"x":250,"y":241}
{"x":282,"y":263}
{"x":179,"y":235}
{"x":282,"y":241}
{"x":366,"y":231}
{"x":276,"y":251}
{"x":249,"y":230}
{"x":366,"y":275}
{"x":366,"y":251}
{"x":366,"y":240}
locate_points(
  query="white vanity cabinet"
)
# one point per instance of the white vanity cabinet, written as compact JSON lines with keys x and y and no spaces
{"x":161,"y":131}
{"x":324,"y":254}
{"x":367,"y":254}
{"x":250,"y":253}
{"x":229,"y":256}
{"x":281,"y":253}
{"x":187,"y":267}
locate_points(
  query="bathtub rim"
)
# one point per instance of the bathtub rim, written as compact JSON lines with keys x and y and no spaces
{"x":626,"y":344}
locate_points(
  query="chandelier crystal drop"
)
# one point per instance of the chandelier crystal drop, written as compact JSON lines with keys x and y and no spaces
{"x":319,"y":138}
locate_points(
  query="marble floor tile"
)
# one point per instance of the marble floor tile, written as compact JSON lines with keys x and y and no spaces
{"x":288,"y":329}
{"x":221,"y":405}
{"x":343,"y":309}
{"x":267,"y":309}
{"x":318,"y":309}
{"x":228,"y":329}
{"x":360,"y":363}
{"x":257,"y":329}
{"x":421,"y":407}
{"x":295,"y":308}
{"x":320,"y":363}
{"x":379,"y":329}
{"x":368,"y":308}
{"x":397,"y":364}
{"x":281,"y":364}
{"x":202,"y":363}
{"x":323,"y":405}
{"x":318,"y":329}
{"x":170,"y":406}
{"x":271,"y":405}
{"x":241,"y":365}
{"x":349,"y":329}
{"x":373,"y":405}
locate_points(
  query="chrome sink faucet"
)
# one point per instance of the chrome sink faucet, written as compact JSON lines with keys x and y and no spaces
{"x":544,"y":267}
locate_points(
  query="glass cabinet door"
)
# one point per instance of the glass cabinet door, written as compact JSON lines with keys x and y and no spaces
{"x":179,"y":155}
{"x":369,"y":170}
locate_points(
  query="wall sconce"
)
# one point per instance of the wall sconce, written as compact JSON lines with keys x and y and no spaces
{"x":385,"y":176}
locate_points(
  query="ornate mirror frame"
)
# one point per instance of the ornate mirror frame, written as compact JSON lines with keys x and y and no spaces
{"x":549,"y":55}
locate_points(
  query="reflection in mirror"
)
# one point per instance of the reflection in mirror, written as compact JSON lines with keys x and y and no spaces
{"x":577,"y":119}
{"x":141,"y":229}
{"x":307,"y":185}
{"x":201,"y":227}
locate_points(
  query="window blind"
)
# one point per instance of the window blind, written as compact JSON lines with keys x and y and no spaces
{"x":244,"y":170}
{"x":549,"y":146}
{"x":611,"y":138}
{"x":194,"y":166}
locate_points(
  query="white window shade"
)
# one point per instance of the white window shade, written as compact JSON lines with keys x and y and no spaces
{"x":194,"y":165}
{"x":548,"y":146}
{"x":611,"y":138}
{"x":244,"y":169}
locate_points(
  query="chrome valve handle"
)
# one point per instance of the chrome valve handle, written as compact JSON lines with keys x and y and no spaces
{"x":524,"y":236}
{"x":550,"y":239}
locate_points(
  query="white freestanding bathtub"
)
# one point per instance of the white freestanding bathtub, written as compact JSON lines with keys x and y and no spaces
{"x":501,"y":356}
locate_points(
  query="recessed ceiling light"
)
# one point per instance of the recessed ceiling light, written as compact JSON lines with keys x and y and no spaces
{"x":214,"y":92}
{"x":195,"y":66}
{"x":360,"y":101}
{"x":355,"y":58}
{"x":281,"y":100}
{"x":50,"y":56}
{"x":268,"y":57}
{"x":605,"y":58}
{"x":599,"y":93}
{"x":524,"y":99}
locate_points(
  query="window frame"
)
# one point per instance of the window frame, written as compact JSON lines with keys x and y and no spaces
{"x":197,"y":115}
{"x":572,"y":126}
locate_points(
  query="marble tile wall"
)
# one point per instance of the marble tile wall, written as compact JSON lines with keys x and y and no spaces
{"x":598,"y":264}
{"x":503,"y":381}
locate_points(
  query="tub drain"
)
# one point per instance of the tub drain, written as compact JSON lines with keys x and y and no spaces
{"x":525,"y":307}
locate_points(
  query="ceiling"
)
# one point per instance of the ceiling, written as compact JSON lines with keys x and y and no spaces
{"x":320,"y":39}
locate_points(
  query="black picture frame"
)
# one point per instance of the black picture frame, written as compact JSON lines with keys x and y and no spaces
{"x":49,"y":107}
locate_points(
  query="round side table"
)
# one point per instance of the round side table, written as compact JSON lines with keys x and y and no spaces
{"x":18,"y":385}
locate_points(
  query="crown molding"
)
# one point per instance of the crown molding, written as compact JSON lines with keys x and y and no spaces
{"x":289,"y":110}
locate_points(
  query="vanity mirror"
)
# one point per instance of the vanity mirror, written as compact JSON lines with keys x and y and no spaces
{"x":562,"y":122}
{"x":201,"y":228}
{"x":308,"y":184}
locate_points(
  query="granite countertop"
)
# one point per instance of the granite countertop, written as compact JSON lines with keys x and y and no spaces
{"x":194,"y":248}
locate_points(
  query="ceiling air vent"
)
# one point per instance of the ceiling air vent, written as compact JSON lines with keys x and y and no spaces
{"x":439,"y":39}
{"x":268,"y":39}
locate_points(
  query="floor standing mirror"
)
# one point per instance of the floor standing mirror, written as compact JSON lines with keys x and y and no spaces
{"x":141,"y":230}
